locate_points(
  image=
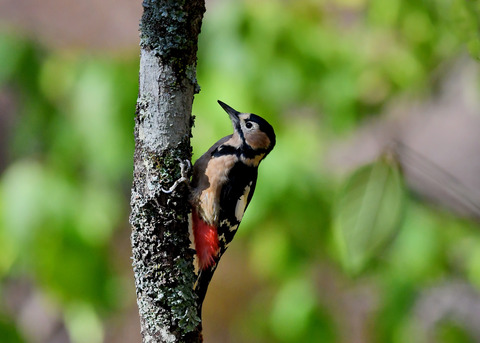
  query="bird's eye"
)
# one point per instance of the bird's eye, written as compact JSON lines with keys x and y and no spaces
{"x":248,"y":125}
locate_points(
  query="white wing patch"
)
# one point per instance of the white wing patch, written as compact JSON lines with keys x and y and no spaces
{"x":242,"y":203}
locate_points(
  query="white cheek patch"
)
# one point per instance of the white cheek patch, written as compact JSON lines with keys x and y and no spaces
{"x":242,"y":203}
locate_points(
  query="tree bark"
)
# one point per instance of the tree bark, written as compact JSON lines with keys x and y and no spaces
{"x":162,"y":257}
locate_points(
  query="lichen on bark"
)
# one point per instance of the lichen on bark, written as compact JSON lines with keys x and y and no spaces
{"x":162,"y":257}
{"x":167,"y":28}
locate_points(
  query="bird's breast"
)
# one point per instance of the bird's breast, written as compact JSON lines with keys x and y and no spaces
{"x":216,"y":175}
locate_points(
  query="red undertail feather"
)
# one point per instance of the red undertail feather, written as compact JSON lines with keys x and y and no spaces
{"x":206,"y":241}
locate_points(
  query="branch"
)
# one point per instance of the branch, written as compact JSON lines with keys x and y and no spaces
{"x":162,"y":258}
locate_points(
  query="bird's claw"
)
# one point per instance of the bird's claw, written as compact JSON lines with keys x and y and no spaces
{"x":184,"y":169}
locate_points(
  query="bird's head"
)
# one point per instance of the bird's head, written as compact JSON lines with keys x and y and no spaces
{"x":255,"y":134}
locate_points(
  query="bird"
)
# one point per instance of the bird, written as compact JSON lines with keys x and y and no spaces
{"x":222,"y":186}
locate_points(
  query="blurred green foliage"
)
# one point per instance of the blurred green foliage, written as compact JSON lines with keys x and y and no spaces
{"x":64,"y":188}
{"x":315,"y":69}
{"x":369,"y":212}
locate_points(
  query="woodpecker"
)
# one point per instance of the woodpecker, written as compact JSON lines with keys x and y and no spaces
{"x":222,"y":186}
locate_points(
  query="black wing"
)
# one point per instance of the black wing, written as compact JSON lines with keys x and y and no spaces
{"x":242,"y":178}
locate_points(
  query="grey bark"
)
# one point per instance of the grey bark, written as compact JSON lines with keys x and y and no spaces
{"x":162,"y":257}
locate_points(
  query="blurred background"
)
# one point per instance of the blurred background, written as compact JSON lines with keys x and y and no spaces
{"x":365,"y":222}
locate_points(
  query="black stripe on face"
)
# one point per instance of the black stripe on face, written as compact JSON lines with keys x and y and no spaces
{"x":245,"y":151}
{"x":223,"y":150}
{"x":250,"y":153}
{"x":238,"y":129}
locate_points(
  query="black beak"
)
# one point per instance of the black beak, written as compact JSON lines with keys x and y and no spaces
{"x":231,"y":112}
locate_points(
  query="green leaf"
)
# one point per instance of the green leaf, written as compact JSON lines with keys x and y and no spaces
{"x":368,"y":213}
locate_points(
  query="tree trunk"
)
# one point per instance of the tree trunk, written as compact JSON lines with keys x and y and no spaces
{"x":162,"y":257}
